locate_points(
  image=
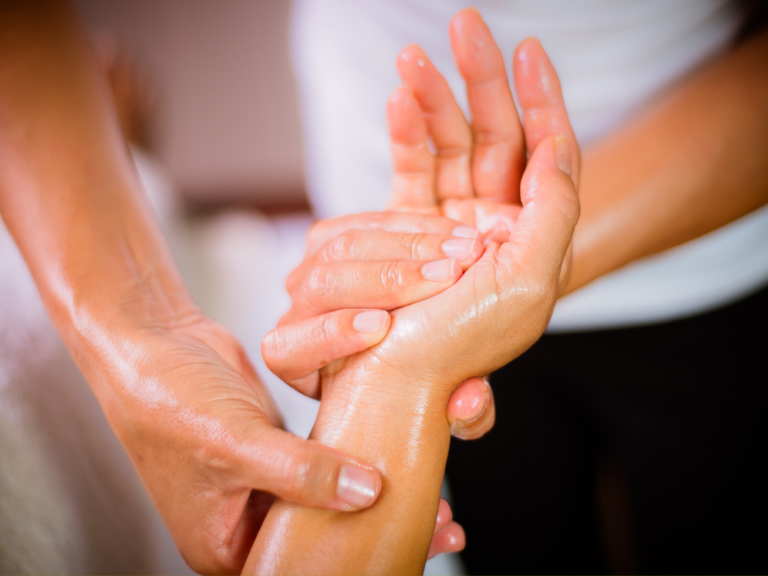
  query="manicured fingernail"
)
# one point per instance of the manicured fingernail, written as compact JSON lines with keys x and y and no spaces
{"x":465,"y":232}
{"x":356,"y":487}
{"x":439,"y":270}
{"x":563,"y":154}
{"x":370,"y":322}
{"x":458,"y":248}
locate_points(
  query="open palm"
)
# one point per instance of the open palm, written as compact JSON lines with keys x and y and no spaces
{"x":475,"y":174}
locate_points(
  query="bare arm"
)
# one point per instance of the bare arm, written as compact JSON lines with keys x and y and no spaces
{"x":388,"y":403}
{"x":177,"y":389}
{"x":692,"y":163}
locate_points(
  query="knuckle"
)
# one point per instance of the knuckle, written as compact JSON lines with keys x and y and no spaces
{"x":391,"y":276}
{"x":309,"y":475}
{"x":415,"y":245}
{"x":273,"y":350}
{"x":340,"y":247}
{"x":297,"y":480}
{"x":318,"y":283}
{"x":325,"y":329}
{"x":213,"y":457}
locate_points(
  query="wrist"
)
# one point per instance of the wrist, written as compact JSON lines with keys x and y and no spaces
{"x":107,"y":277}
{"x":382,"y":416}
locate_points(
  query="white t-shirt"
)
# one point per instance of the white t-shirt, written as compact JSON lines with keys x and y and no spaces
{"x":612,"y":57}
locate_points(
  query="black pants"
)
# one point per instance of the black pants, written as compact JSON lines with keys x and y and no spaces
{"x":677,"y":410}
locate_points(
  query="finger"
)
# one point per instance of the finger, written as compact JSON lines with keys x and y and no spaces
{"x":383,"y":285}
{"x":413,"y":181}
{"x":445,"y":122}
{"x":550,"y":211}
{"x":463,"y":244}
{"x":294,"y":352}
{"x":471,"y":409}
{"x":449,"y":539}
{"x":499,"y":149}
{"x":448,"y":535}
{"x":306,"y":471}
{"x":403,"y":222}
{"x":541,"y":100}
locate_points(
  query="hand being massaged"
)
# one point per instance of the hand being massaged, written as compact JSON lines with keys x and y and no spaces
{"x":490,"y":298}
{"x":378,"y":260}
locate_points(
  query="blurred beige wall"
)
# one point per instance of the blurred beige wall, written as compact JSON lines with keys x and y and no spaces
{"x":228,"y":124}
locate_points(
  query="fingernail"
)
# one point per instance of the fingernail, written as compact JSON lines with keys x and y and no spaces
{"x":439,"y":270}
{"x":460,"y":427}
{"x":370,"y":322}
{"x":356,"y":487}
{"x":563,"y":154}
{"x":465,"y":232}
{"x":458,"y":248}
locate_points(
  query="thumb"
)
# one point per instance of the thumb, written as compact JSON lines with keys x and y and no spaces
{"x":550,"y":211}
{"x":307,"y":472}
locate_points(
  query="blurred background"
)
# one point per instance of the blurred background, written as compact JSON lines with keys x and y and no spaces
{"x":224,"y":118}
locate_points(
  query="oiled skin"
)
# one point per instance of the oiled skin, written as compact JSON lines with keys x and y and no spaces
{"x":636,"y":201}
{"x":177,"y":389}
{"x":388,"y":402}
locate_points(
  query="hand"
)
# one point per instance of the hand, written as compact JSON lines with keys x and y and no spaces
{"x":475,"y":175}
{"x":370,"y":261}
{"x":204,"y":435}
{"x":387,"y":403}
{"x":489,"y":194}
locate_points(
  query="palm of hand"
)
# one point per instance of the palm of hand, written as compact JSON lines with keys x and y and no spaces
{"x":503,"y":302}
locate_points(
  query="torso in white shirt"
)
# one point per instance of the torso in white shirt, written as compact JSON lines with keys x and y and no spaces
{"x":612,"y":57}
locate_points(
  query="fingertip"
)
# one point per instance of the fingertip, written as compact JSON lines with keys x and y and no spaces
{"x":525,"y":52}
{"x":372,"y":322}
{"x":474,"y":49}
{"x":471,"y":409}
{"x":358,"y":487}
{"x":411,"y":57}
{"x":536,"y":80}
{"x":444,"y":515}
{"x":464,"y":18}
{"x":446,"y":270}
{"x":468,"y":401}
{"x":550,"y":161}
{"x":450,"y":539}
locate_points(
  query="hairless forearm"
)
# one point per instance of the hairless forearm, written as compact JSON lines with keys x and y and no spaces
{"x":69,"y":193}
{"x":694,"y":162}
{"x":400,"y":427}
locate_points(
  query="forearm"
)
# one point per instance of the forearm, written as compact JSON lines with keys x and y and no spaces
{"x":364,"y":415}
{"x":68,"y":191}
{"x":691,"y":164}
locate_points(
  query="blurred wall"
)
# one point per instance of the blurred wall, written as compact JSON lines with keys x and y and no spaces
{"x":228,"y":124}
